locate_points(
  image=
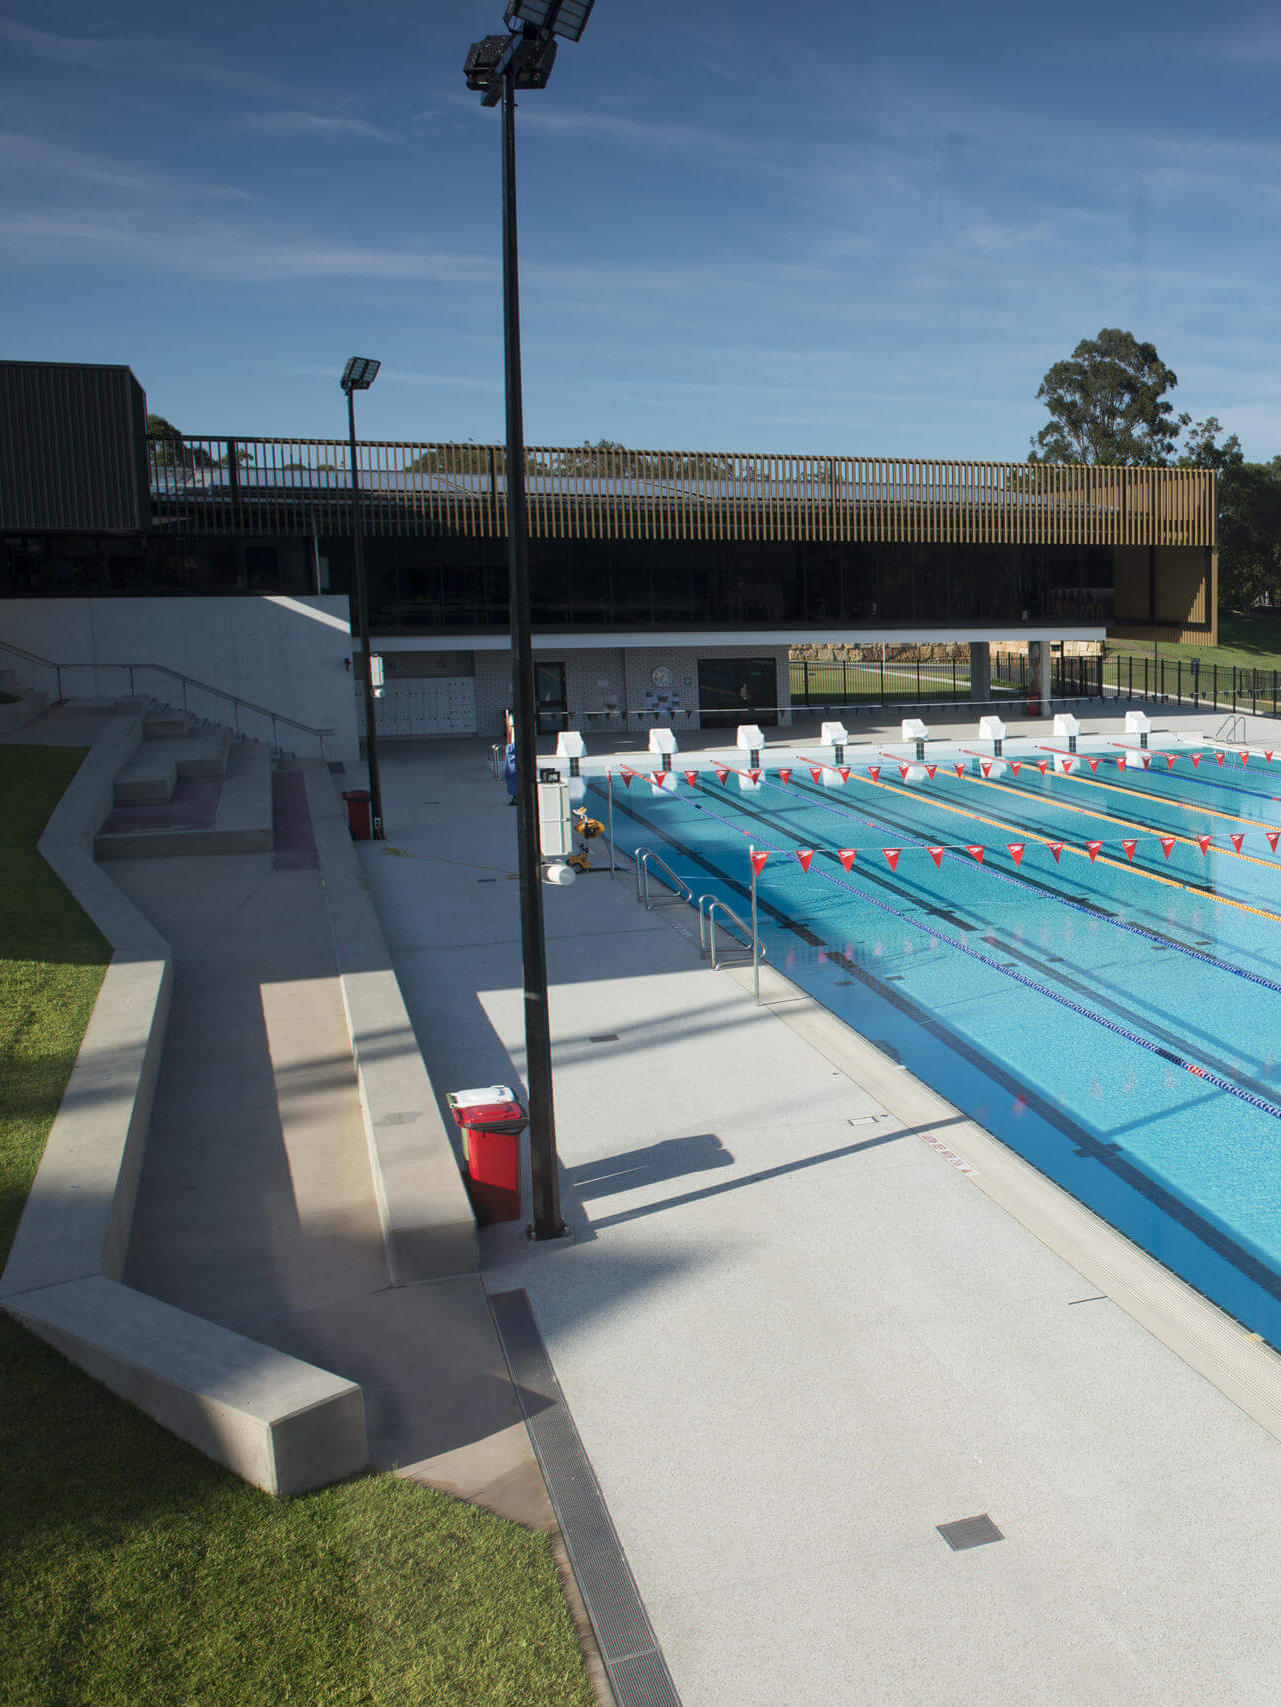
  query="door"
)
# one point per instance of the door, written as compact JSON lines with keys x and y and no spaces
{"x":737,"y":690}
{"x":549,"y":692}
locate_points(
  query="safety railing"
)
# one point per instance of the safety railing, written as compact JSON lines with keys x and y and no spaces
{"x":238,"y":703}
{"x":645,"y":857}
{"x":708,"y":907}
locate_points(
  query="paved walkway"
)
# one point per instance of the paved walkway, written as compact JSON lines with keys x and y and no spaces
{"x":795,"y":1339}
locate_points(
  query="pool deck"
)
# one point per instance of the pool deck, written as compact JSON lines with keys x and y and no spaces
{"x":796,"y":1337}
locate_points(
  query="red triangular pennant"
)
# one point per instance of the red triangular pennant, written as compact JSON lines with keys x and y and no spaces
{"x":785,"y":776}
{"x":1196,"y":760}
{"x":817,"y":775}
{"x":873,"y":771}
{"x":985,"y":766}
{"x":754,"y":776}
{"x":1093,"y":764}
{"x":1120,"y":764}
{"x":846,"y":856}
{"x":1169,"y":761}
{"x":1129,"y":849}
{"x":1056,"y":848}
{"x":722,"y":776}
{"x":1203,"y":842}
{"x":936,"y":854}
{"x":1014,"y":766}
{"x":1043,"y":765}
{"x":804,"y":856}
{"x":1167,"y":842}
{"x":959,"y":769}
{"x":976,"y":850}
{"x":1218,"y":758}
{"x":1147,"y":761}
{"x":1236,"y":840}
{"x":1016,"y":851}
{"x":1092,"y":848}
{"x":902,"y":771}
{"x":691,"y":777}
{"x":845,"y":772}
{"x":1272,"y":838}
{"x":758,"y":861}
{"x":1267,"y":758}
{"x":627,"y":778}
{"x":931,"y":771}
{"x":1067,"y":766}
{"x":659,"y":778}
{"x":891,"y":855}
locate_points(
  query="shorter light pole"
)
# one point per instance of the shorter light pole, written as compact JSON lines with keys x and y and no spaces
{"x":358,"y":375}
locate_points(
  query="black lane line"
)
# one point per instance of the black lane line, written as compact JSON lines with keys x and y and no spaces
{"x":1099,"y":998}
{"x":1087,"y":1143}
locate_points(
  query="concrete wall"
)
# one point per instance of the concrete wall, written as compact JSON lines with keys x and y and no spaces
{"x":287,"y":654}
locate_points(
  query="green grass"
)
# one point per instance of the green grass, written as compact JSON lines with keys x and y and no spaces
{"x":1248,"y":642}
{"x":139,"y":1574}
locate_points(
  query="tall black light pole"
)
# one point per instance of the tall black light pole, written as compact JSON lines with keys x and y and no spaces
{"x":497,"y":67}
{"x":358,"y":375}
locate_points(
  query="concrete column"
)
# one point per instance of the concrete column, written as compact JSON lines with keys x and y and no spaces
{"x":1039,"y":662}
{"x":980,"y":669}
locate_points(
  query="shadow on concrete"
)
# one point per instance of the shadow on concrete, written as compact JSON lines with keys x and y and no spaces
{"x":670,"y":1158}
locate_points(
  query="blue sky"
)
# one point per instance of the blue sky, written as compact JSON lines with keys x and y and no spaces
{"x":820,"y":228}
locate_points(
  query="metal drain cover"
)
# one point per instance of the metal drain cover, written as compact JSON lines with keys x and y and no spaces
{"x":603,"y":1037}
{"x":969,"y":1532}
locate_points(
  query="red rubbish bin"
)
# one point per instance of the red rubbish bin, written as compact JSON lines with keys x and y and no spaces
{"x":492,"y":1121}
{"x":358,"y":821}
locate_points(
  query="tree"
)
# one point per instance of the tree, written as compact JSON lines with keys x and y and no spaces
{"x":172,"y":450}
{"x":1107,"y":405}
{"x":1249,"y":496}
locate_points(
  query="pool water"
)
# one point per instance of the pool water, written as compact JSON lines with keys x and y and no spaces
{"x":1115,"y":1020}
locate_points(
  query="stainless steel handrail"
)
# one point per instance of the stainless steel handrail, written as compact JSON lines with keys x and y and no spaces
{"x":236,"y":700}
{"x":644,"y":857}
{"x":751,"y":943}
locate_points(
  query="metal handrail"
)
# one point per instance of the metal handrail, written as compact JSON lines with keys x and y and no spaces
{"x":643,"y":858}
{"x":751,"y":942}
{"x":237,"y":701}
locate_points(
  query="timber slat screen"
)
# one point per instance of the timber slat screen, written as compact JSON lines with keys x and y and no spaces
{"x":279,"y":486}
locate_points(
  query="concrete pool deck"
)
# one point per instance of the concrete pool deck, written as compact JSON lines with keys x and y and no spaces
{"x":796,"y":1337}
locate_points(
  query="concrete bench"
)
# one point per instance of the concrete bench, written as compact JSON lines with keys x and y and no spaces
{"x":279,"y":1423}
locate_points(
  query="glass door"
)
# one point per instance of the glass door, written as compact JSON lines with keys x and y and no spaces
{"x":737,"y":690}
{"x":549,"y":691}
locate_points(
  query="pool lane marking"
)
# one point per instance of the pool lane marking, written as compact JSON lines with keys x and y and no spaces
{"x":1182,"y":1212}
{"x":1164,"y":800}
{"x":1169,"y":1055}
{"x":1081,"y":853}
{"x":912,"y":838}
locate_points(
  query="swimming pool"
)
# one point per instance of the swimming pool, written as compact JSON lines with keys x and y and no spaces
{"x":1087,"y":964}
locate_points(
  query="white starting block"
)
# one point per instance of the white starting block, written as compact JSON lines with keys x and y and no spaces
{"x":912,"y":729}
{"x":569,"y":745}
{"x":1066,"y":724}
{"x":663,"y":742}
{"x":1140,"y":724}
{"x":750,"y":741}
{"x":836,"y":736}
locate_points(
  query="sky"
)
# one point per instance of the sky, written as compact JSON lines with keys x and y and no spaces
{"x":821,"y":228}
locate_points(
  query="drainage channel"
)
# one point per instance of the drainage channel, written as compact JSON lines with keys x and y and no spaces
{"x":633,"y":1659}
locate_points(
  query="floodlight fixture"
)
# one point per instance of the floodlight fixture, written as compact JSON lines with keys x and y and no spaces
{"x":359,"y":374}
{"x":566,"y":18}
{"x":528,"y":58}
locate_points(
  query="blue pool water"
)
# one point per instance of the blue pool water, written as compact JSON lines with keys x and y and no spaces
{"x":1117,"y":1022}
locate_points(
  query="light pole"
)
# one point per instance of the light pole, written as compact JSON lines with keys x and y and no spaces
{"x":497,"y":67}
{"x":358,"y":375}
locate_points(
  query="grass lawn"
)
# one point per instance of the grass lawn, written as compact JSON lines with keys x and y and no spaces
{"x":139,"y":1574}
{"x":1248,"y":642}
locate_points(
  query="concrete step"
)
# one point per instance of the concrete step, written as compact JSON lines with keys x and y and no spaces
{"x":205,"y":814}
{"x":153,"y":772}
{"x":166,"y":724}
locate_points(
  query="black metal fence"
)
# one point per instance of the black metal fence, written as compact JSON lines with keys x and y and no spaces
{"x":1176,"y":681}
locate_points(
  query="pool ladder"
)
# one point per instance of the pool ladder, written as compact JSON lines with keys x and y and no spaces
{"x":708,"y":906}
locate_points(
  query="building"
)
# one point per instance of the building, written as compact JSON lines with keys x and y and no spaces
{"x":665,"y":585}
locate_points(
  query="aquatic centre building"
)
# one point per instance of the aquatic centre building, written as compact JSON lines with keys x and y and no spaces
{"x":666,"y":585}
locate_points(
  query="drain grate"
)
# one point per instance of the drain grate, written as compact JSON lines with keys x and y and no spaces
{"x":629,"y":1648}
{"x":603,"y":1037}
{"x":969,"y":1532}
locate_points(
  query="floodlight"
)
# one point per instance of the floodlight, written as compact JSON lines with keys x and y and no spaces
{"x":359,"y":373}
{"x":531,"y":59}
{"x":566,"y":18}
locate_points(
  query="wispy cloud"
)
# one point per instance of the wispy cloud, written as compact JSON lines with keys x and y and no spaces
{"x":297,"y":122}
{"x":31,"y":156}
{"x":146,"y":56}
